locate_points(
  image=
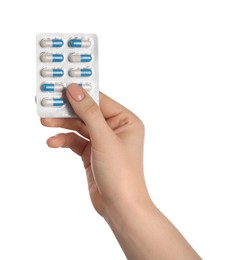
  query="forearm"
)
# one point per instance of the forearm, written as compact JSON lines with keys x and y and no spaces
{"x":144,"y":233}
{"x":112,"y":152}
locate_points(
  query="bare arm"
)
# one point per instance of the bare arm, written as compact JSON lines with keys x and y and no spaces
{"x":112,"y":154}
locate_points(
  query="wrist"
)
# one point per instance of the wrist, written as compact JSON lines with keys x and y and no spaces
{"x":129,"y":223}
{"x":120,"y":214}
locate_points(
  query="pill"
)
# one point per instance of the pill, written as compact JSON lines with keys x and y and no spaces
{"x":56,"y":72}
{"x":55,"y":43}
{"x":52,"y":87}
{"x":79,"y":43}
{"x":78,"y":72}
{"x":52,"y":102}
{"x":76,"y":57}
{"x":85,"y":86}
{"x":51,"y":57}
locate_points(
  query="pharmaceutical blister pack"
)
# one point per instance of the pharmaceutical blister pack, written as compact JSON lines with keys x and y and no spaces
{"x":62,"y":59}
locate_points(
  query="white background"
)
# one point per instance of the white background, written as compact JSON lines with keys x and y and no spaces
{"x":173,"y":63}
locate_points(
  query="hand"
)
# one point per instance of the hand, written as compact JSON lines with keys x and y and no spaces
{"x":112,"y":152}
{"x":110,"y":141}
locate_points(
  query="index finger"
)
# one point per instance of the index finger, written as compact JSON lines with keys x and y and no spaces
{"x":110,"y":107}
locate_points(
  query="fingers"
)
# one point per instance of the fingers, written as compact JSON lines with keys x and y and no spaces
{"x":92,"y":121}
{"x":68,"y":140}
{"x":110,"y":107}
{"x":68,"y":123}
{"x":86,"y":108}
{"x":117,"y":116}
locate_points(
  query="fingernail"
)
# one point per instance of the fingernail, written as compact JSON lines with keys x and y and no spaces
{"x":76,"y":92}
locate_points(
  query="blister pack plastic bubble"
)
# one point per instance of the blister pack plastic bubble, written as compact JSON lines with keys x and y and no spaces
{"x":62,"y":59}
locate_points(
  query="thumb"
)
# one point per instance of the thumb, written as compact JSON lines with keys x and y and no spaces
{"x":87,"y":109}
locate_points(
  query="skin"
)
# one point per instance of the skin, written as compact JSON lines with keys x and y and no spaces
{"x":110,"y":139}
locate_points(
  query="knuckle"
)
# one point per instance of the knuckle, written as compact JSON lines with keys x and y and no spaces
{"x":92,"y":110}
{"x":140,"y":125}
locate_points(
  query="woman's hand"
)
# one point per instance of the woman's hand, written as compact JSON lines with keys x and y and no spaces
{"x":110,"y":141}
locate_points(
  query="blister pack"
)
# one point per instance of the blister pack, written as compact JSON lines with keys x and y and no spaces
{"x":62,"y":59}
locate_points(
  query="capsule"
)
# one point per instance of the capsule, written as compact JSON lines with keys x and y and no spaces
{"x":52,"y":102}
{"x":55,"y":72}
{"x":80,"y":72}
{"x":79,"y":43}
{"x":52,"y":87}
{"x":76,"y":57}
{"x":48,"y":43}
{"x":85,"y":86}
{"x":51,"y":57}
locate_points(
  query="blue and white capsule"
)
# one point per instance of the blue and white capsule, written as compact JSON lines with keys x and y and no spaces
{"x":52,"y":102}
{"x":52,"y":87}
{"x":79,"y":43}
{"x":85,"y":85}
{"x":51,"y":57}
{"x":80,"y":72}
{"x":51,"y":43}
{"x":76,"y":57}
{"x":52,"y":72}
